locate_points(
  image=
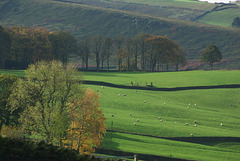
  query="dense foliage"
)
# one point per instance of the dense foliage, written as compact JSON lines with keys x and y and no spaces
{"x":43,"y":97}
{"x":236,"y":22}
{"x":15,"y":149}
{"x":6,"y":117}
{"x":22,"y":46}
{"x":30,"y":45}
{"x":211,"y":55}
{"x":87,"y":123}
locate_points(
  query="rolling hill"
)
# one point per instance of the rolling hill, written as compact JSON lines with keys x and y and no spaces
{"x":84,"y":20}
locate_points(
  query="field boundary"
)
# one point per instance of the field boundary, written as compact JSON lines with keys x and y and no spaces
{"x":160,"y":89}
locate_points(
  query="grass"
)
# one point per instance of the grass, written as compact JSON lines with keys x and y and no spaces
{"x":19,"y":73}
{"x":168,"y":79}
{"x":221,"y":18}
{"x":212,"y":109}
{"x":178,"y":3}
{"x":169,"y":148}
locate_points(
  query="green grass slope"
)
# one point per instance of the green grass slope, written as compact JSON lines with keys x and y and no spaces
{"x":183,"y":9}
{"x":175,"y":109}
{"x":83,"y":20}
{"x":210,"y":140}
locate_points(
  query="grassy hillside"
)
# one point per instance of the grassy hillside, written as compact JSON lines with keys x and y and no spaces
{"x":212,"y":108}
{"x":83,"y":20}
{"x":185,"y":10}
{"x":210,"y":140}
{"x":221,"y":15}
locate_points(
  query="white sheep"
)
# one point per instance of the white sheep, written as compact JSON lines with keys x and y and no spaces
{"x":145,"y":101}
{"x":186,"y":124}
{"x":161,"y":120}
{"x":134,"y":124}
{"x":137,"y":120}
{"x":195,"y":104}
{"x":130,"y":114}
{"x":195,"y":125}
{"x":191,"y":134}
{"x":238,"y":101}
{"x":164,"y":103}
{"x":187,"y":107}
{"x":230,"y":104}
{"x":119,"y":94}
{"x":221,"y":124}
{"x":97,"y":90}
{"x":102,"y":86}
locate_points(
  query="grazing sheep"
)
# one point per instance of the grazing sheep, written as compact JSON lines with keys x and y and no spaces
{"x":136,"y":91}
{"x":221,"y":124}
{"x":230,"y":104}
{"x":119,"y":94}
{"x":186,"y":124}
{"x":187,"y":107}
{"x":145,"y":101}
{"x":195,"y":125}
{"x":195,"y":122}
{"x":189,"y":104}
{"x":195,"y":104}
{"x":102,"y":86}
{"x":130,"y":114}
{"x":124,"y":95}
{"x":103,"y":114}
{"x":134,"y":124}
{"x":238,"y":101}
{"x":112,"y":115}
{"x":97,"y":90}
{"x":175,"y":122}
{"x":161,"y":120}
{"x":164,"y":103}
{"x":137,"y":120}
{"x":191,"y":134}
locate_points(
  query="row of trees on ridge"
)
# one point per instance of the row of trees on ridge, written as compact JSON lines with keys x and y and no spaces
{"x":22,"y":46}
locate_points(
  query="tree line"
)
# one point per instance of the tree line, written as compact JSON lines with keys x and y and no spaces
{"x":21,"y":46}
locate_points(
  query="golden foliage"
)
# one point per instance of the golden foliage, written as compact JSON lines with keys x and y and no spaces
{"x":87,"y":123}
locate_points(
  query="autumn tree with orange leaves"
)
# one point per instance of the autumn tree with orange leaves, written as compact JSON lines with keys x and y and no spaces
{"x":87,"y":123}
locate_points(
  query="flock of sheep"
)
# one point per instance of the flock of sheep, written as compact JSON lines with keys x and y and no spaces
{"x":159,"y":118}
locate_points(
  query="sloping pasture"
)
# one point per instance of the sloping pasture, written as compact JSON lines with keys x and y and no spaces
{"x":171,"y":137}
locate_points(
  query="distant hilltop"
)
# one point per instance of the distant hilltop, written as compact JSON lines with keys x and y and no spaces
{"x":219,"y":1}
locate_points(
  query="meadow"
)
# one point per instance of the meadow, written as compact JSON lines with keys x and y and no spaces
{"x":175,"y":109}
{"x":204,"y":110}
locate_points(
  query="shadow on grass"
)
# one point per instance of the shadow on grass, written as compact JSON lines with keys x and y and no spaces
{"x":160,"y":89}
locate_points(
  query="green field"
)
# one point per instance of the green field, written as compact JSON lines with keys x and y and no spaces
{"x":178,"y":3}
{"x":213,"y":107}
{"x":221,"y":18}
{"x":175,"y":109}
